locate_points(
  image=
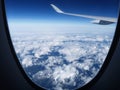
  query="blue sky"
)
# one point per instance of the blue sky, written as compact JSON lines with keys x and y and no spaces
{"x":40,"y":11}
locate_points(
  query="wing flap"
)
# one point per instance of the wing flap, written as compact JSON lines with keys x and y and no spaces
{"x":101,"y":22}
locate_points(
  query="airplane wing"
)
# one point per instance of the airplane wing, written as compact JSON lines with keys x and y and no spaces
{"x":97,"y":19}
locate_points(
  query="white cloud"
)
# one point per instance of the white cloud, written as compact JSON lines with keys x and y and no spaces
{"x":64,"y":57}
{"x":66,"y":72}
{"x":27,"y":61}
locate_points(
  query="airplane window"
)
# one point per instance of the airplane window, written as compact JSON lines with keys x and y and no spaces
{"x":62,"y":44}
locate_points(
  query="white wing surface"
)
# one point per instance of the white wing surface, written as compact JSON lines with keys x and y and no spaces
{"x":97,"y":19}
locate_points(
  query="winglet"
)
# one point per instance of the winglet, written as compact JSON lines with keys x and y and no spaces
{"x":56,"y":9}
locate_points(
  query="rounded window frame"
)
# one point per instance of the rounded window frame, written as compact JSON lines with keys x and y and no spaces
{"x":86,"y":86}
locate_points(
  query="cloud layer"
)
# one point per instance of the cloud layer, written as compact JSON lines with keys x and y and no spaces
{"x":61,"y":61}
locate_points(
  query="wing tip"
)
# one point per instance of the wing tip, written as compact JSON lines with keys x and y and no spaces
{"x":56,"y":8}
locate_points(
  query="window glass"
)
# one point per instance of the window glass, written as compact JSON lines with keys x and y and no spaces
{"x":62,"y":44}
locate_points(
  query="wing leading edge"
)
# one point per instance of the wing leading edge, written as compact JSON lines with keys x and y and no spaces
{"x":97,"y":19}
